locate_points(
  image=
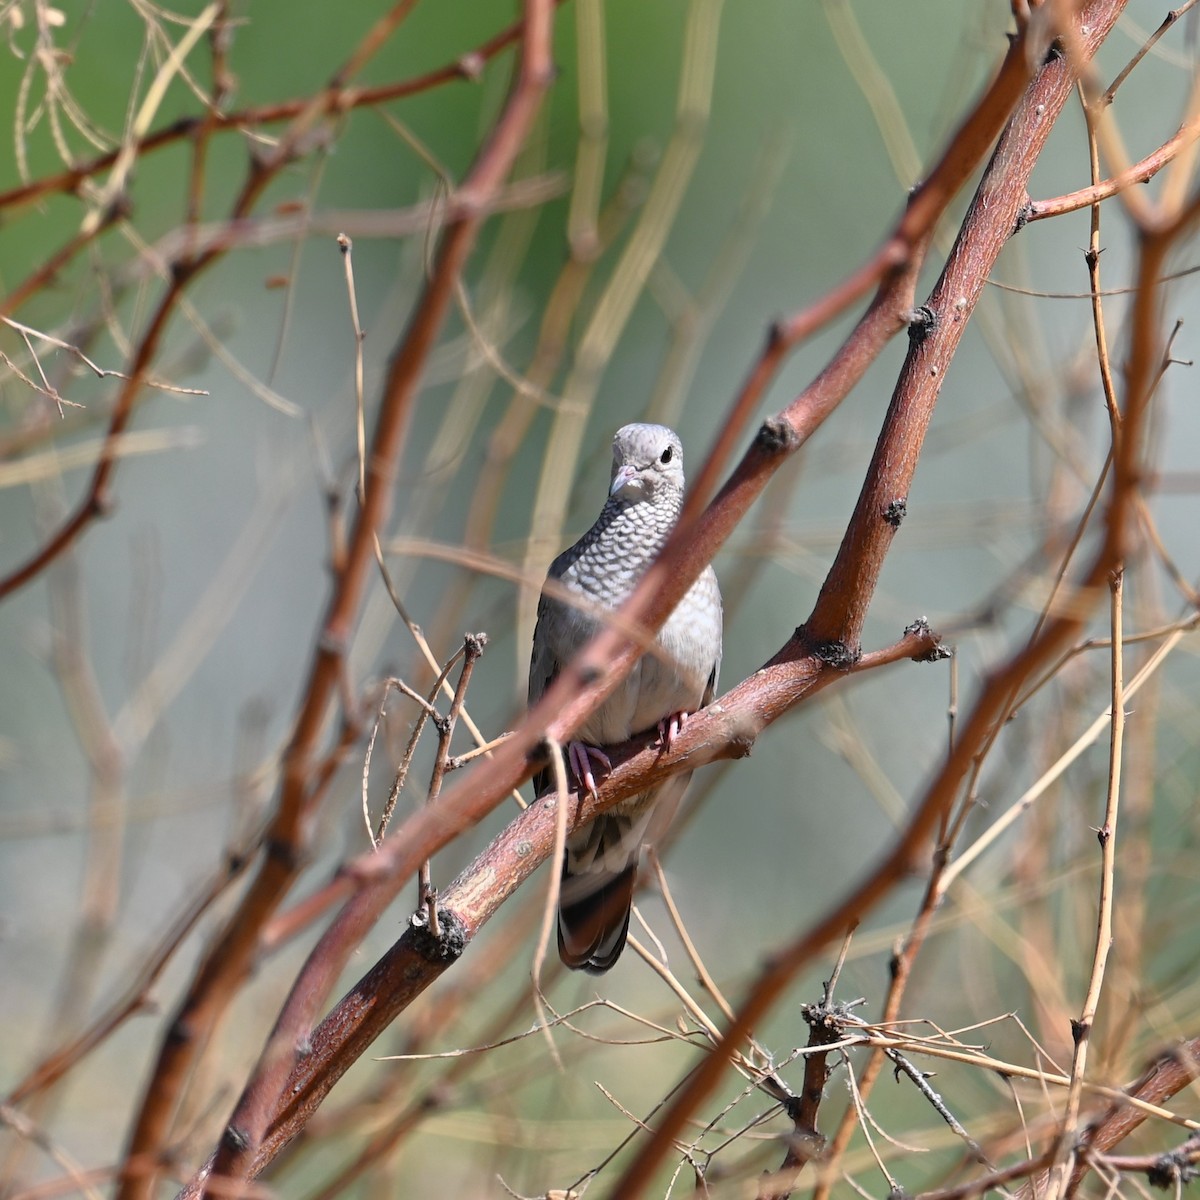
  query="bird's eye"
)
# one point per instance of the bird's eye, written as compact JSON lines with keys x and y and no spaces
{"x":666,"y":455}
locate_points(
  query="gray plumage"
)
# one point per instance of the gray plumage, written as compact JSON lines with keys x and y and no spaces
{"x":603,"y":567}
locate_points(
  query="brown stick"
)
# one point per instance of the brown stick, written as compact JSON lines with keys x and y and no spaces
{"x":841,"y":605}
{"x":229,"y":958}
{"x":488,"y":173}
{"x":583,"y":685}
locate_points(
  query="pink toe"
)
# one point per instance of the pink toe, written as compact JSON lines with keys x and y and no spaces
{"x":580,"y":757}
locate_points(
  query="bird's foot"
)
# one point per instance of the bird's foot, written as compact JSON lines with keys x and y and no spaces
{"x":580,"y":755}
{"x":669,"y":728}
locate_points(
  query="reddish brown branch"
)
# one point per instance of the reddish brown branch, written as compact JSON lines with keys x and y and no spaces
{"x":259,"y":1100}
{"x":346,"y":97}
{"x":228,"y":960}
{"x":339,"y":97}
{"x":1167,"y":1076}
{"x":137,"y":997}
{"x":805,"y":1142}
{"x":1140,"y":172}
{"x":842,"y":603}
{"x":46,"y":273}
{"x":695,"y":541}
{"x":892,"y":269}
{"x":584,"y":684}
{"x":586,"y":681}
{"x":97,"y":501}
{"x":726,"y":729}
{"x":790,"y":676}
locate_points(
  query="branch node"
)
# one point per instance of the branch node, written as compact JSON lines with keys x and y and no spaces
{"x":236,"y":1138}
{"x":921,"y":323}
{"x":776,"y":436}
{"x":837,"y":654}
{"x":1175,"y":1168}
{"x":896,"y":511}
{"x":331,"y":642}
{"x":286,"y":853}
{"x":936,"y":651}
{"x":445,"y":948}
{"x":181,"y":1032}
{"x":1079,"y":1030}
{"x":101,"y":504}
{"x":470,"y":66}
{"x":831,"y":1017}
{"x":741,"y":742}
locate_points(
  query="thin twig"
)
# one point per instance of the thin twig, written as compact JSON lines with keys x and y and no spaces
{"x":360,"y":425}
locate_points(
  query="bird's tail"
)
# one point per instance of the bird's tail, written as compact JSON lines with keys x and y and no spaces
{"x":598,"y":872}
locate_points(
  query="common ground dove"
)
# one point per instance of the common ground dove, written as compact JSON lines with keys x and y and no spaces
{"x":666,"y":685}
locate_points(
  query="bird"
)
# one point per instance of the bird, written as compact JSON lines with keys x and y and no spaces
{"x":664,"y":687}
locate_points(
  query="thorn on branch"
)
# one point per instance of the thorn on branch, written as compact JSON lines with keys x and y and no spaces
{"x":447,"y":945}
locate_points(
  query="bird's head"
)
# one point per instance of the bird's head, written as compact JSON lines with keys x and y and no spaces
{"x":647,"y":462}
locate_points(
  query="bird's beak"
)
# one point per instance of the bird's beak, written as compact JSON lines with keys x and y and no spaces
{"x":625,"y":476}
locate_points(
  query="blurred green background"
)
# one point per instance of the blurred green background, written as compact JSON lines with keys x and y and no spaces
{"x":197,"y":600}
